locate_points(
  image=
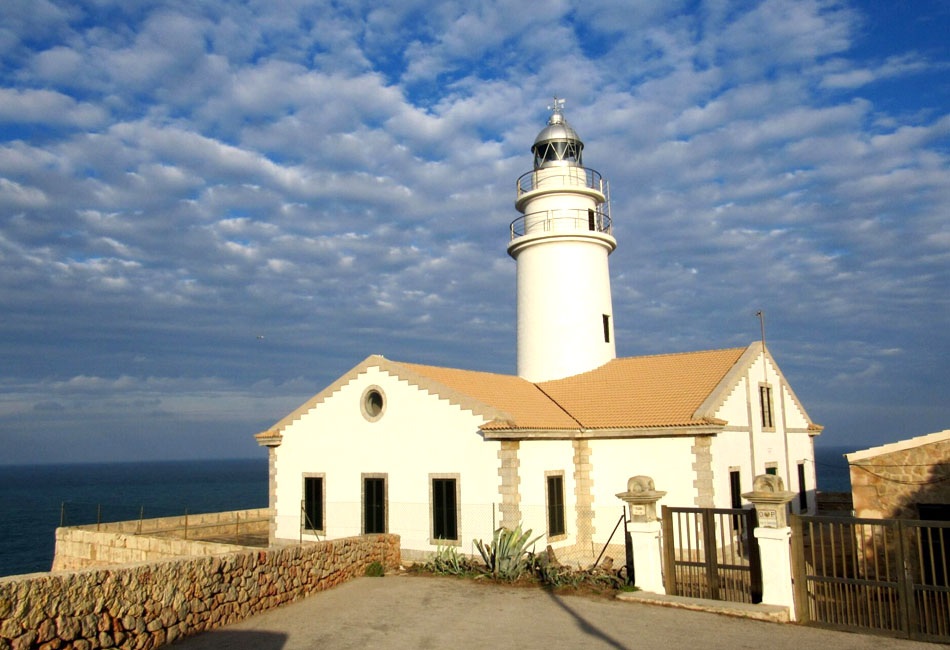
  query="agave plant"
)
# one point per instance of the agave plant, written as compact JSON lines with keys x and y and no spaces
{"x":507,"y":557}
{"x":448,"y":561}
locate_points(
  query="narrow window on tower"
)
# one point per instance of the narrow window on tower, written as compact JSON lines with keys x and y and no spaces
{"x":591,"y":222}
{"x":606,"y":328}
{"x":765,"y":404}
{"x":555,"y":494}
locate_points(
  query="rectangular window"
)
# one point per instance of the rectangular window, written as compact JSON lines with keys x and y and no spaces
{"x":772,"y":469}
{"x":765,"y":403}
{"x":444,"y":509}
{"x":606,"y":328}
{"x":313,"y":503}
{"x":374,"y":504}
{"x":555,"y":490}
{"x":802,"y":494}
{"x":591,"y":222}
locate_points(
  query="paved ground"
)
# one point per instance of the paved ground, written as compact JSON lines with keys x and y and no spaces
{"x":408,"y":612}
{"x":421,"y":612}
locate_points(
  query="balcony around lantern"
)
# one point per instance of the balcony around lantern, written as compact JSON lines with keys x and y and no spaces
{"x":567,"y":176}
{"x":561,"y":220}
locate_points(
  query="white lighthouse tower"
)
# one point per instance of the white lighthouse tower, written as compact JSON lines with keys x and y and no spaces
{"x":561,"y":243}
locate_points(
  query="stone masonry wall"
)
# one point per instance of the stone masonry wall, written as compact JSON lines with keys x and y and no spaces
{"x":151,"y":540}
{"x":144,"y":606}
{"x":892,"y":484}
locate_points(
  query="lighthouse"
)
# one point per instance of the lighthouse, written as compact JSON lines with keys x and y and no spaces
{"x":560,"y":244}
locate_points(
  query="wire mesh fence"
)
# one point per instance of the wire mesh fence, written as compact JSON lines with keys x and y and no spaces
{"x":584,"y":538}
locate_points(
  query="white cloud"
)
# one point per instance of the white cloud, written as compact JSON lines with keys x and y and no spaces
{"x":340,"y":179}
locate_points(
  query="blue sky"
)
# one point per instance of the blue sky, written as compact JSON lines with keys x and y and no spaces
{"x":210,"y":210}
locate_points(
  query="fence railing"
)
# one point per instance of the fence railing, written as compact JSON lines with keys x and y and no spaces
{"x":232,"y":524}
{"x":579,"y":545}
{"x":711,"y":553}
{"x":570,"y":176}
{"x":561,"y":220}
{"x":890,"y":576}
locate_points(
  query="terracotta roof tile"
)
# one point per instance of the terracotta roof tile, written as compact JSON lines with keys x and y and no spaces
{"x":662,"y":390}
{"x":520,"y":401}
{"x":633,"y":392}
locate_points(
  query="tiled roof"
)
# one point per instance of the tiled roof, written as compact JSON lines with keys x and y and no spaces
{"x":633,"y":392}
{"x":521,"y":403}
{"x":663,"y":392}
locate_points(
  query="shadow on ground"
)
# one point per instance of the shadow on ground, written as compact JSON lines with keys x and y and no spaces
{"x":584,"y":624}
{"x":235,"y":640}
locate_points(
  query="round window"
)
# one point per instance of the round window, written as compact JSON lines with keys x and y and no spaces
{"x":373,"y":403}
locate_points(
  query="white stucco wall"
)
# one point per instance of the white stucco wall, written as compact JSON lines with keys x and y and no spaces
{"x":735,"y":408}
{"x":667,"y":460}
{"x":783,"y":446}
{"x":416,"y":436}
{"x":537,"y":457}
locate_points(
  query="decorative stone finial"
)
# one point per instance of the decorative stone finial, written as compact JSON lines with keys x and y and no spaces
{"x":640,"y":484}
{"x":641,"y":498}
{"x":768,"y":483}
{"x":769,"y":497}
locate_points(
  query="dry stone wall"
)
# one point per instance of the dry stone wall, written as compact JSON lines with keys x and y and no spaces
{"x":144,"y":606}
{"x":150,"y":540}
{"x":892,"y":484}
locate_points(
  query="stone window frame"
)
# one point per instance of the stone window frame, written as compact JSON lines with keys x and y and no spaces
{"x":549,"y":474}
{"x":363,"y":477}
{"x":368,"y":407}
{"x":322,"y":530}
{"x":767,"y":406}
{"x":458,"y":509}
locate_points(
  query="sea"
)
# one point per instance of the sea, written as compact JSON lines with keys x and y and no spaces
{"x":35,"y":499}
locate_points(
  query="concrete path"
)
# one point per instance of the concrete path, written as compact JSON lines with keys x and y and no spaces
{"x":408,"y":612}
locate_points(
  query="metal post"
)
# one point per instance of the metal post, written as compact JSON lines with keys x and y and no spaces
{"x":141,"y":517}
{"x":628,"y":544}
{"x":98,"y":516}
{"x":186,"y":523}
{"x":62,"y":514}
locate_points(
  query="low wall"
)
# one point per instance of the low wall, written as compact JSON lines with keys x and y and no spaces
{"x":147,"y":605}
{"x":151,"y":540}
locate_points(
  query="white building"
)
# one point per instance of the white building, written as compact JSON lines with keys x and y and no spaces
{"x":444,"y":455}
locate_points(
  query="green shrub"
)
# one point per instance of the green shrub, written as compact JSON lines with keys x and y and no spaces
{"x":507,"y":557}
{"x":374,"y":570}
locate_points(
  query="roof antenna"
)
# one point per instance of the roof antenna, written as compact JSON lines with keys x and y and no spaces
{"x":761,"y":316}
{"x":765,"y":369}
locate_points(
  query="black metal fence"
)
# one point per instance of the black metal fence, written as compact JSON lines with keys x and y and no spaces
{"x":711,"y":553}
{"x":888,"y":576}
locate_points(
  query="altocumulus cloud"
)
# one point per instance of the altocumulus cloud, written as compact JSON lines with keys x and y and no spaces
{"x":208,"y":212}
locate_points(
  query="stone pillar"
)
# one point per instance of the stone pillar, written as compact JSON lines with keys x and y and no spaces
{"x":583,"y":494}
{"x":774,"y":538}
{"x":644,"y":530}
{"x":509,"y":487}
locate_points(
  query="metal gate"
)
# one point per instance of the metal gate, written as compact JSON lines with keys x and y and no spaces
{"x":711,"y":553}
{"x":889,"y":576}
